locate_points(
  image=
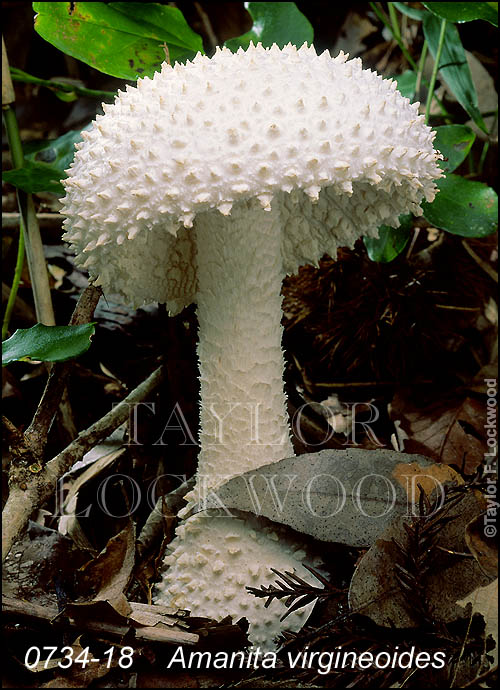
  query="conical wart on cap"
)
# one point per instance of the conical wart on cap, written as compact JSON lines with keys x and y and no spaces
{"x":336,"y":146}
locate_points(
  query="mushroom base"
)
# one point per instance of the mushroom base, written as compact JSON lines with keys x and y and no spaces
{"x":212,"y":561}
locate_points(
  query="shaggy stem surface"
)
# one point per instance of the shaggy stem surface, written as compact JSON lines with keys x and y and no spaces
{"x":244,"y":421}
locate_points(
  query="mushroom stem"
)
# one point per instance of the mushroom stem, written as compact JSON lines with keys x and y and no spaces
{"x":244,"y":421}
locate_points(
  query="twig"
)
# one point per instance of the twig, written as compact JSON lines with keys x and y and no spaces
{"x":29,"y":490}
{"x":15,"y":440}
{"x":418,"y":552}
{"x":462,"y":649}
{"x":381,"y":15}
{"x":36,"y":434}
{"x":52,"y":221}
{"x":486,"y":267}
{"x":416,"y":232}
{"x":166,"y":51}
{"x":36,"y":260}
{"x":369,"y":384}
{"x":8,"y":97}
{"x":297,"y":592}
{"x":207,"y":25}
{"x":454,"y":308}
{"x":29,"y":227}
{"x":344,"y":616}
{"x":25,"y":78}
{"x":48,"y":615}
{"x":16,"y":280}
{"x":8,"y":93}
{"x":482,"y":677}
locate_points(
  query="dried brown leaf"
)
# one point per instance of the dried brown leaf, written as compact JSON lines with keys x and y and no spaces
{"x":108,"y":574}
{"x":484,"y":600}
{"x":450,"y":431}
{"x":78,"y":675}
{"x":376,"y":592}
{"x":151,"y":615}
{"x":69,"y":523}
{"x":483,"y":548}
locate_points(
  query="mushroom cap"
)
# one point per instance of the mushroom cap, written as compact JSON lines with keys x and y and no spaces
{"x":335,"y":146}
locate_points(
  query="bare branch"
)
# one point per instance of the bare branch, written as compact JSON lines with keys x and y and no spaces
{"x":36,"y":434}
{"x":29,"y":489}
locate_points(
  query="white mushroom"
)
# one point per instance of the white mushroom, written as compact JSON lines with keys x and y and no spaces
{"x":213,"y":559}
{"x":275,"y":157}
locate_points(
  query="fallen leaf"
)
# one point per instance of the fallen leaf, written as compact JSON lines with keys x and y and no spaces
{"x":484,"y":600}
{"x":97,"y":459}
{"x":78,"y":675}
{"x":151,"y":615}
{"x":102,"y":611}
{"x":483,"y":548}
{"x":450,"y":431}
{"x":410,"y":474}
{"x":491,"y":311}
{"x":348,"y":496}
{"x":57,"y":273}
{"x":354,"y":30}
{"x":69,"y":523}
{"x":486,"y":93}
{"x":375,"y":591}
{"x":41,"y":565}
{"x":110,"y":571}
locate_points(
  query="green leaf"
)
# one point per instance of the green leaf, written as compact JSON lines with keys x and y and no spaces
{"x":47,"y":343}
{"x":390,"y":242}
{"x":274,"y":22}
{"x":45,"y":163}
{"x":464,"y":11}
{"x":463,"y":207}
{"x":454,"y":142}
{"x":409,"y":11}
{"x":453,"y":66}
{"x":123,"y":39}
{"x":35,"y":177}
{"x":407,"y":83}
{"x":58,"y":152}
